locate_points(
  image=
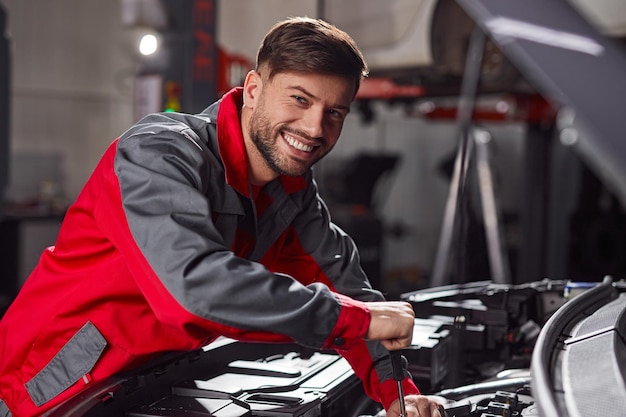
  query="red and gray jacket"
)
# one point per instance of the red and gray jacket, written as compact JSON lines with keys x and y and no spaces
{"x":166,"y":248}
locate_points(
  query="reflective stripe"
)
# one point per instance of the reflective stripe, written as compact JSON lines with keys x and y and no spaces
{"x":4,"y":410}
{"x":74,"y":360}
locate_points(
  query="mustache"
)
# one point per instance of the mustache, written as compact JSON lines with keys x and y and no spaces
{"x":298,"y":132}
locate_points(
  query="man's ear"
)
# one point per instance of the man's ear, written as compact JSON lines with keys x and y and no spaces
{"x":252,"y":87}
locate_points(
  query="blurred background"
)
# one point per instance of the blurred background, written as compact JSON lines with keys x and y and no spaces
{"x":76,"y":73}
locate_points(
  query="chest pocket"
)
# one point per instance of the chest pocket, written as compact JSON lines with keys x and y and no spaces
{"x":226,"y":214}
{"x":275,"y":219}
{"x":235,"y":211}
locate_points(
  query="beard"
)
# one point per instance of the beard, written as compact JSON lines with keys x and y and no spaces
{"x":265,"y":140}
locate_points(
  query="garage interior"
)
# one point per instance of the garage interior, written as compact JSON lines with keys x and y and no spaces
{"x":76,"y":80}
{"x":433,"y":192}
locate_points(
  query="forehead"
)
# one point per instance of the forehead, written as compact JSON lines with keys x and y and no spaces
{"x":329,"y":88}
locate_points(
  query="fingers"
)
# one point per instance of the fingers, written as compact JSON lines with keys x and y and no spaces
{"x":427,"y":407}
{"x":396,"y":344}
{"x":392,"y":323}
{"x":418,"y":406}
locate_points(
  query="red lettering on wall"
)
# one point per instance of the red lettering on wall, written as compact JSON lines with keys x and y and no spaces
{"x":203,"y":56}
{"x":203,"y":12}
{"x":205,"y":43}
{"x":204,"y":66}
{"x":203,"y":69}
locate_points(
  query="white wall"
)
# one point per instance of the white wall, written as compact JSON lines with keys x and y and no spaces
{"x":242,"y":23}
{"x":72,"y":90}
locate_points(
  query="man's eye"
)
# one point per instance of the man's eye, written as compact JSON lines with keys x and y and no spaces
{"x":336,"y":114}
{"x":300,"y":99}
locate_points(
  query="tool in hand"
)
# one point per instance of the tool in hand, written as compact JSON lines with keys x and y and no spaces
{"x":398,"y":363}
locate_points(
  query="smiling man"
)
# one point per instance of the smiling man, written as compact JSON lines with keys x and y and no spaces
{"x":293,"y":120}
{"x":196,"y":226}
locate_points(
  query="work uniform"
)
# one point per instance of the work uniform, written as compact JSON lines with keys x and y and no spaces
{"x":168,"y":247}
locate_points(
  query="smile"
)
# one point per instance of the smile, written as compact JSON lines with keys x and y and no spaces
{"x":298,"y":145}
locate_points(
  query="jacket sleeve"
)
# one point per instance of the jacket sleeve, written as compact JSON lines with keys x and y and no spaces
{"x":155,"y":210}
{"x":320,"y":251}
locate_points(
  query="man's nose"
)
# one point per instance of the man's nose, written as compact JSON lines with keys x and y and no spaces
{"x":313,"y":122}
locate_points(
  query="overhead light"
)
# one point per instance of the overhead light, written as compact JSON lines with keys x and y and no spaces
{"x":148,"y":44}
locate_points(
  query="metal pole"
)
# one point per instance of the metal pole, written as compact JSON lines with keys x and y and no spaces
{"x":456,"y":198}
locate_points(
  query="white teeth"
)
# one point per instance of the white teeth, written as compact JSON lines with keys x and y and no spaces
{"x":298,"y":145}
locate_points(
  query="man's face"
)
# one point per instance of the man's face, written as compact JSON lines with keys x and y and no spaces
{"x":296,"y":119}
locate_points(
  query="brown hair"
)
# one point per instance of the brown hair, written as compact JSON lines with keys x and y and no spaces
{"x":302,"y":44}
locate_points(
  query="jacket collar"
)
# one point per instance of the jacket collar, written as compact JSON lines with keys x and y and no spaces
{"x":233,"y":150}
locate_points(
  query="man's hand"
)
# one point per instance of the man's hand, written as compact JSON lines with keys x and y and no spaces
{"x":391,"y":323}
{"x":418,"y":406}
